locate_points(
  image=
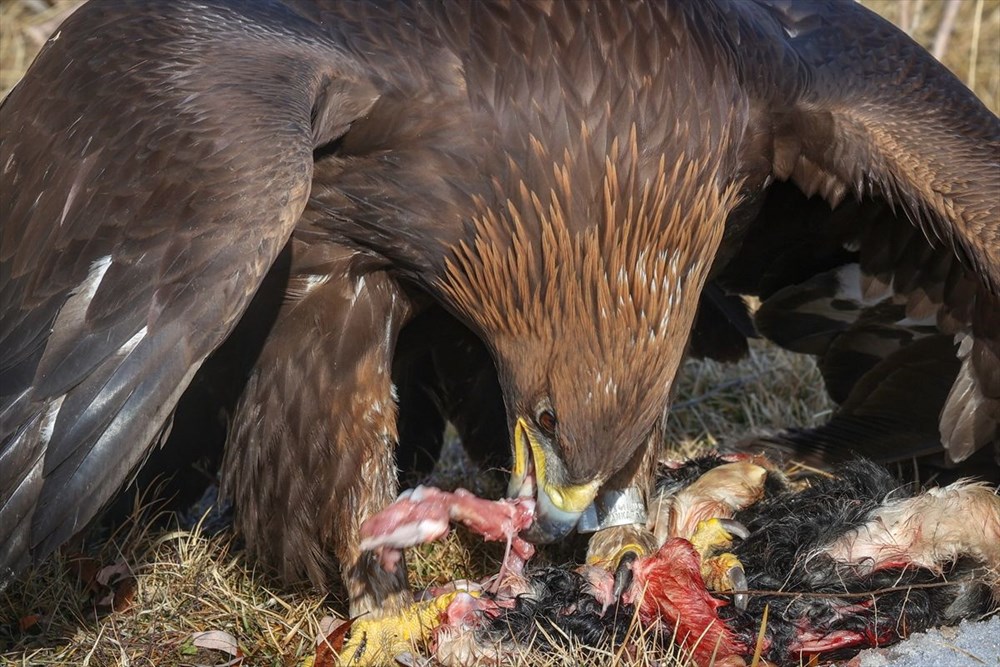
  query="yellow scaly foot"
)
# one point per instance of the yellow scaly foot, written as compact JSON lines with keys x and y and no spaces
{"x":722,"y":572}
{"x":378,"y":641}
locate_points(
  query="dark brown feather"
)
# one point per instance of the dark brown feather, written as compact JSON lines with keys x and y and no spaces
{"x":129,"y":250}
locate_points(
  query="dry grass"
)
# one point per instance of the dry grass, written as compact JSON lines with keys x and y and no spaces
{"x":971,"y":48}
{"x":188,"y":581}
{"x":24,"y":27}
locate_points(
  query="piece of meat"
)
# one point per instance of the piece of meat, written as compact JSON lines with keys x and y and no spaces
{"x":456,"y":642}
{"x":668,"y":589}
{"x":424,"y":514}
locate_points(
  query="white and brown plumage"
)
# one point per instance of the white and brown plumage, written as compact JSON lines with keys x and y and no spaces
{"x":551,"y":183}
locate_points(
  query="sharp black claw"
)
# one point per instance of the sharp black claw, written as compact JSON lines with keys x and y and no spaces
{"x":738,"y":579}
{"x":623,"y":574}
{"x":735,"y":528}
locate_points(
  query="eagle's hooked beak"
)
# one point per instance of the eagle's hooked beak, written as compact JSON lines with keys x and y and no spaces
{"x":557,"y":508}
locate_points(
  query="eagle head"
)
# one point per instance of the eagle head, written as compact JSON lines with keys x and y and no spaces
{"x":586,"y":302}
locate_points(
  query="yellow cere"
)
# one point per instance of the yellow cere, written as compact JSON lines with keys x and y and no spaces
{"x":566,"y":498}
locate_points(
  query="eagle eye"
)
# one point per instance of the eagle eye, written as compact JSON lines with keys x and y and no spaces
{"x":546,"y":420}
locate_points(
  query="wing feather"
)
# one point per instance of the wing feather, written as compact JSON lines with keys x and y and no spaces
{"x":874,"y":112}
{"x":151,"y":172}
{"x":908,"y":244}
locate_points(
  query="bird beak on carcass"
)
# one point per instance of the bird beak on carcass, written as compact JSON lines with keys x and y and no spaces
{"x":536,"y":473}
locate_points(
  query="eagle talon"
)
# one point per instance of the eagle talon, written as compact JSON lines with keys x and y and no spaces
{"x":738,"y":584}
{"x":615,"y":550}
{"x":722,"y":572}
{"x":623,"y":573}
{"x":734,"y":528}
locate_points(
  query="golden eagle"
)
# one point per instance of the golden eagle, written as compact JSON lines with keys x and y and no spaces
{"x":515,"y":215}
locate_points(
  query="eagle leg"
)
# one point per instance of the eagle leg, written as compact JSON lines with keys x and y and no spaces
{"x":311,"y":450}
{"x":615,"y":545}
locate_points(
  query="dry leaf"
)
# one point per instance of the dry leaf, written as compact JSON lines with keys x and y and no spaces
{"x":109,"y":573}
{"x":124,"y":594}
{"x":216,"y":640}
{"x":84,"y":569}
{"x":110,"y":588}
{"x":327,"y":624}
{"x":330,"y":640}
{"x":219,"y":640}
{"x":29,"y":622}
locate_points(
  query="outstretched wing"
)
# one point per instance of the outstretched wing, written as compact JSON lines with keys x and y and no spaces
{"x":862,"y":117}
{"x":871,"y":111}
{"x":153,"y":161}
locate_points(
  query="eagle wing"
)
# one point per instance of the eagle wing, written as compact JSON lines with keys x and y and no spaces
{"x":862,"y":119}
{"x":871,"y":111}
{"x":134,"y":237}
